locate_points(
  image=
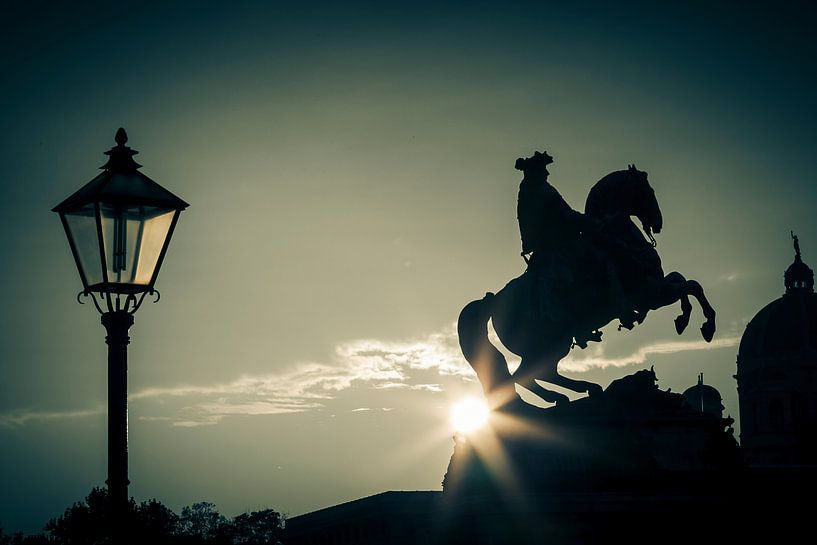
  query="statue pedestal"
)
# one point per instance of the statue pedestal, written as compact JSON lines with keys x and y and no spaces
{"x":631,"y":434}
{"x":632,"y":456}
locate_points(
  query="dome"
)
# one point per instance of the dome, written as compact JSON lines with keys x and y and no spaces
{"x":787,"y":325}
{"x":704,"y":398}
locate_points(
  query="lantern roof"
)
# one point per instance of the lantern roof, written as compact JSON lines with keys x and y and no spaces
{"x":799,"y":276}
{"x":121,"y":183}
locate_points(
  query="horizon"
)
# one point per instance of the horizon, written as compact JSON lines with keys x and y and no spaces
{"x":350,"y":172}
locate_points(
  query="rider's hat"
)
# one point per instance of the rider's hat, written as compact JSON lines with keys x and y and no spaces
{"x":538,"y":157}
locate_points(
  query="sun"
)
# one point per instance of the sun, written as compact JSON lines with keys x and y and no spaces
{"x":468,"y":415}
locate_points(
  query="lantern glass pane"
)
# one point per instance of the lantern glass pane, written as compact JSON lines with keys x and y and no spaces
{"x":83,"y":232}
{"x":134,"y":237}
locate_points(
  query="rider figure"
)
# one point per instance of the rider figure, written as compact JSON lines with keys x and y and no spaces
{"x":550,"y":231}
{"x":546,"y":221}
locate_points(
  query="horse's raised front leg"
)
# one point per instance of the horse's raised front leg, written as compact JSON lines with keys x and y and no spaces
{"x":708,"y":327}
{"x":682,"y":320}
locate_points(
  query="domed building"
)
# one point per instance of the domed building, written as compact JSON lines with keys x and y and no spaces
{"x":777,"y":375}
{"x":704,"y":398}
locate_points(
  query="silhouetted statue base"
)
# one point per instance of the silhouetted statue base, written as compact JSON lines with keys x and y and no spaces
{"x":625,"y":463}
{"x":632,"y":434}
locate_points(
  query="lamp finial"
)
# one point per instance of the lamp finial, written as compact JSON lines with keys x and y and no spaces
{"x":121,"y":137}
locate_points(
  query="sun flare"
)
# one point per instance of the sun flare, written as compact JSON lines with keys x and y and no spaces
{"x":469,"y":414}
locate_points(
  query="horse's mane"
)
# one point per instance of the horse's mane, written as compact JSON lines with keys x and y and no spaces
{"x":606,"y":195}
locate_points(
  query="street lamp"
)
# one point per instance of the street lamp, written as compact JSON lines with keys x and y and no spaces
{"x":119,"y":226}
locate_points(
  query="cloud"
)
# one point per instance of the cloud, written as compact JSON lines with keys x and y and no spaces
{"x":415,"y":387}
{"x":22,"y":417}
{"x":381,"y":365}
{"x":438,"y":351}
{"x":599,"y":361}
{"x":367,"y":363}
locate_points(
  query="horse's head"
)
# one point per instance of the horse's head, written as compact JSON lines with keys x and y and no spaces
{"x":645,"y":205}
{"x":535,"y":166}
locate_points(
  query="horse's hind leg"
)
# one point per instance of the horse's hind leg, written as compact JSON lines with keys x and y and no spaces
{"x":545,"y":369}
{"x":572,"y":384}
{"x":532,"y":368}
{"x":548,"y":395}
{"x":488,"y":362}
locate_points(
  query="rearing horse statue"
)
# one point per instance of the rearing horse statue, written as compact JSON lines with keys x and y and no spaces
{"x":608,"y":271}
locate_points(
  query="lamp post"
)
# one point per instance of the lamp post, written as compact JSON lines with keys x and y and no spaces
{"x":119,"y":226}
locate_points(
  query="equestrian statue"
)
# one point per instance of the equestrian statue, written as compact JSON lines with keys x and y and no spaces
{"x":583,"y":270}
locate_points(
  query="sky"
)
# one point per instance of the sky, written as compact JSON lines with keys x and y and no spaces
{"x":350,"y":172}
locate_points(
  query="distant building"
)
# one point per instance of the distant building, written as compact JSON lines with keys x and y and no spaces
{"x":704,"y":398}
{"x":385,"y":518}
{"x":777,"y":375}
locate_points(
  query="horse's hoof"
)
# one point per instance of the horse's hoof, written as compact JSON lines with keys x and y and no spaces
{"x":594,"y":389}
{"x":681,"y":323}
{"x":561,"y":399}
{"x":708,"y":331}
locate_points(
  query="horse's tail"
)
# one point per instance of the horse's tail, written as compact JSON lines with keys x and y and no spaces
{"x":488,"y":362}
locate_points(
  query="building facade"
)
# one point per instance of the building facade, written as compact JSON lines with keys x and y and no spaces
{"x":777,"y":376}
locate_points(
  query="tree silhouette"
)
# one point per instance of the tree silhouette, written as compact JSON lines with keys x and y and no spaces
{"x":90,"y":522}
{"x":85,"y":523}
{"x":155,"y":523}
{"x":201,"y":520}
{"x":257,"y":528}
{"x":20,"y":539}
